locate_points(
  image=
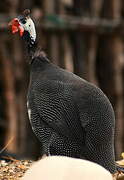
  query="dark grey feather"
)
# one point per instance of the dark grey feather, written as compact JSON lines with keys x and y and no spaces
{"x":70,"y":116}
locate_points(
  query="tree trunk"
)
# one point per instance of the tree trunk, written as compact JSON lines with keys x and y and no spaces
{"x":86,"y":44}
{"x":109,"y":70}
{"x":10,"y":98}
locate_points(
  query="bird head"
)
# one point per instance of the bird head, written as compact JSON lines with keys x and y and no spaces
{"x":24,"y":25}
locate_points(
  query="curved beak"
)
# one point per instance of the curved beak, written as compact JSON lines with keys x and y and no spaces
{"x":15,"y":26}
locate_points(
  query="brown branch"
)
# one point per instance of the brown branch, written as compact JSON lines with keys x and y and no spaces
{"x":5,"y":147}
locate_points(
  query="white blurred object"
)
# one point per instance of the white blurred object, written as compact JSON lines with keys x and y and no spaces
{"x":65,"y":168}
{"x":67,"y":2}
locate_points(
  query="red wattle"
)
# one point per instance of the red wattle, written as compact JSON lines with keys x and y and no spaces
{"x":21,"y":30}
{"x":15,"y":26}
{"x":14,"y":29}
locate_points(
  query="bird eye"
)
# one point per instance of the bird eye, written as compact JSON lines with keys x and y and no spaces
{"x":23,"y":21}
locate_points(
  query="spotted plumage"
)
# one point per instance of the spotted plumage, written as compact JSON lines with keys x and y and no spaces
{"x":69,"y":116}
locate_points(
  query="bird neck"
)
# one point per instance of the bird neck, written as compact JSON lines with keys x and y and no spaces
{"x":31,"y":45}
{"x":39,"y":64}
{"x":34,"y":52}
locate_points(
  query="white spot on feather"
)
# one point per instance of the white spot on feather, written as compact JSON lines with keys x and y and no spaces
{"x":29,"y":111}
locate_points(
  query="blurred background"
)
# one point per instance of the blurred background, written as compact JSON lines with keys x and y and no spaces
{"x":82,"y":36}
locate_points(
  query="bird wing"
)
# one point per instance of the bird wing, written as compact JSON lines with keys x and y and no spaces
{"x":58,"y":128}
{"x":53,"y":101}
{"x":98,"y":120}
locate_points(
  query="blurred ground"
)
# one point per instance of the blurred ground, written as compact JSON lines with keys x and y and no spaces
{"x":14,"y":169}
